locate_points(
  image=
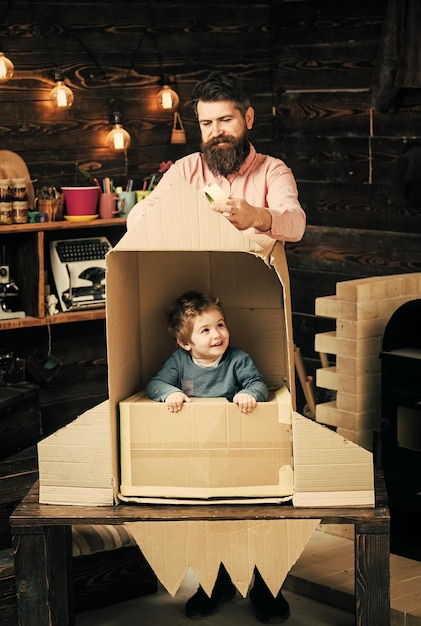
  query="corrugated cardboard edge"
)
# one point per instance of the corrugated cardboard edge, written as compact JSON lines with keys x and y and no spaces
{"x":273,"y":546}
{"x":278,"y":261}
{"x":75,"y":462}
{"x":328,"y":469}
{"x":198,"y":227}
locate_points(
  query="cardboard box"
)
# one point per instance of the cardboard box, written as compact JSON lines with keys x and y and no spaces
{"x":208,"y":450}
{"x":179,"y":245}
{"x":182,"y":244}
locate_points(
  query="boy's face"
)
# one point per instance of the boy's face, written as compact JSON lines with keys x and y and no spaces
{"x":209,"y":338}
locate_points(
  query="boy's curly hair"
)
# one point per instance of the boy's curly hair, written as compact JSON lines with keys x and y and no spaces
{"x":186,"y":308}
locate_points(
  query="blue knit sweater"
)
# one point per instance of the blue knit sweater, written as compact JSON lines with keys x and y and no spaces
{"x":234,"y":373}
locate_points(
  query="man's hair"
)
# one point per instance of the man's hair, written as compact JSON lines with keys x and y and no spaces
{"x":221,"y":86}
{"x":186,"y":308}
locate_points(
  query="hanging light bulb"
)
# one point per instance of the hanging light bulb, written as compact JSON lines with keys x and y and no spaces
{"x":168,"y":100}
{"x":6,"y":68}
{"x":61,"y":96}
{"x":118,"y":138}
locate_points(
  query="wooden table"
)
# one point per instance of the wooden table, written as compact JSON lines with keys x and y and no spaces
{"x":43,"y":550}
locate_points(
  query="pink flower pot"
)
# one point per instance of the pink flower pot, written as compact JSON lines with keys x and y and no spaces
{"x":81,"y":200}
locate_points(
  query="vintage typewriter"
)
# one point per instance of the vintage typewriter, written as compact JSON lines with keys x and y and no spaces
{"x":78,"y":267}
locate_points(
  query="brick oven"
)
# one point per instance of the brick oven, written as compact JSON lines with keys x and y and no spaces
{"x":362,"y":309}
{"x":376,"y":347}
{"x":401,"y":423}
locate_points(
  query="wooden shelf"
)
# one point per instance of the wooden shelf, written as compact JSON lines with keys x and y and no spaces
{"x":61,"y":318}
{"x":28,"y":248}
{"x":47,"y":226}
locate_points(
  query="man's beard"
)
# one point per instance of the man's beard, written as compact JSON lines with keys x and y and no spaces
{"x":228,"y":158}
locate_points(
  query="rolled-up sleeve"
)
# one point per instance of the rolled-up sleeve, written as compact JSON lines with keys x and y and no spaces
{"x":288,"y":217}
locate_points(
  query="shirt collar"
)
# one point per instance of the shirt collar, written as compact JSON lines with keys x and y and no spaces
{"x":211,"y":365}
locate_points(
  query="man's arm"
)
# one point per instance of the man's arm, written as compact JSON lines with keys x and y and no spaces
{"x":272,"y":205}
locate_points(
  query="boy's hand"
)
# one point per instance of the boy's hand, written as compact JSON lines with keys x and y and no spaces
{"x":245,"y":402}
{"x":176,"y":400}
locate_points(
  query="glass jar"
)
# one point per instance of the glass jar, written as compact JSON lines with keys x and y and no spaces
{"x":20,"y":212}
{"x":5,"y":190}
{"x":6,"y":214}
{"x":19,"y":201}
{"x":19,"y":190}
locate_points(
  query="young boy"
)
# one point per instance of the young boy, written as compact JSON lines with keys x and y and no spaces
{"x":205,"y":365}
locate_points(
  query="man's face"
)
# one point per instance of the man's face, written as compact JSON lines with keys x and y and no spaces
{"x":224,"y":135}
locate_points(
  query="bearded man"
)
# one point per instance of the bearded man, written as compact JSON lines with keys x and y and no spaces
{"x":261,"y":190}
{"x":262,"y":197}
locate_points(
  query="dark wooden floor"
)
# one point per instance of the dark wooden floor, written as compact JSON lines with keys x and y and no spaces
{"x":164,"y":610}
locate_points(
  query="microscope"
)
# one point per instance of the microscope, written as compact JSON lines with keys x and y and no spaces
{"x":9,"y":290}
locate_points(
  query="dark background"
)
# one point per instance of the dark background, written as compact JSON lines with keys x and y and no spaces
{"x":309,"y":67}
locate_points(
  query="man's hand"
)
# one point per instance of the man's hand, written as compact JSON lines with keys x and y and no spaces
{"x":245,"y":402}
{"x":176,"y":400}
{"x":243,"y":215}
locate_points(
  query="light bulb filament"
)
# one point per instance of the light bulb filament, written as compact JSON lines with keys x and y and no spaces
{"x":166,"y":100}
{"x":3,"y":70}
{"x":61,"y":97}
{"x":6,"y":68}
{"x":118,"y":139}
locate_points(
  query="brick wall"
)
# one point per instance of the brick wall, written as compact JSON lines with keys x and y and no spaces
{"x":362,"y":309}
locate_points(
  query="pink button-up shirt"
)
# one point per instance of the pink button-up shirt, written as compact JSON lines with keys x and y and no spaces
{"x":263,"y":181}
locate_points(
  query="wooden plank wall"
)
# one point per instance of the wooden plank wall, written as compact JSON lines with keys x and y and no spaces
{"x":308,"y":66}
{"x":342,"y":152}
{"x":112,"y":55}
